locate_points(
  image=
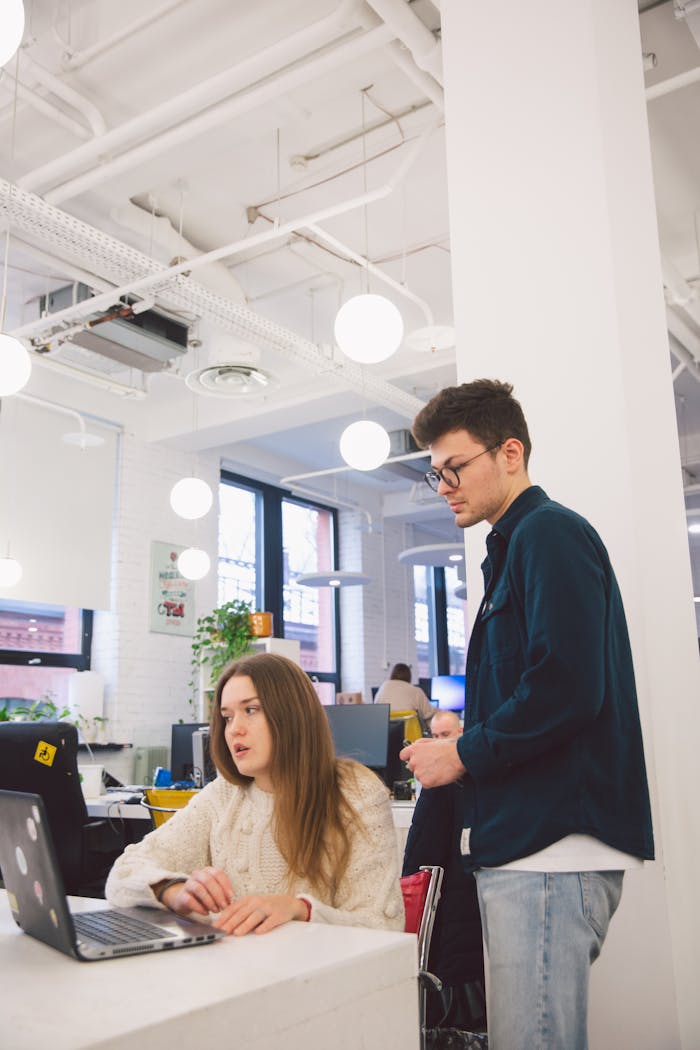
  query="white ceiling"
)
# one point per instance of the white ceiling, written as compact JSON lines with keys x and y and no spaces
{"x":205,"y":126}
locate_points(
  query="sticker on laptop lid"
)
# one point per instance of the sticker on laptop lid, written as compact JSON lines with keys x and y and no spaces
{"x":45,"y":753}
{"x":12,"y":901}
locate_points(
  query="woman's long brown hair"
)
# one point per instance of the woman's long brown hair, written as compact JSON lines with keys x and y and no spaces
{"x":311,"y":815}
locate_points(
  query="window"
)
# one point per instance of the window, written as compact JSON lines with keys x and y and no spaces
{"x":41,"y":646}
{"x":266,"y":541}
{"x":439,"y":621}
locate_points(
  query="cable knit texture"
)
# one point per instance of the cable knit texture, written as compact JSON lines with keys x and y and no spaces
{"x":230,"y":828}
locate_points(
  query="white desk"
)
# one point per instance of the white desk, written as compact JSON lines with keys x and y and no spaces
{"x":301,"y":987}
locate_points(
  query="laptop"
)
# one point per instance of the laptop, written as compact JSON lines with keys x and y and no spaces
{"x":39,"y":905}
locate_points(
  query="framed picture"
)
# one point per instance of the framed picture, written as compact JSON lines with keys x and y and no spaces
{"x":172,"y":596}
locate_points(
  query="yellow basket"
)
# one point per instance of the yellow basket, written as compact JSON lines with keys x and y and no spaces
{"x":411,"y":724}
{"x":162,"y":802}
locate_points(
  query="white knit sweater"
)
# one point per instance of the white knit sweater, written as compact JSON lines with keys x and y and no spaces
{"x":230,"y":828}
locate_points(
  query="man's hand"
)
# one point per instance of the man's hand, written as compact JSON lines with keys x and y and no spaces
{"x":433,"y":762}
{"x":259,"y":914}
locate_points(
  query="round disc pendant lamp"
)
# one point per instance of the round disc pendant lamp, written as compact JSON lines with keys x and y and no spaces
{"x":368,"y":329}
{"x":194,"y":563}
{"x":191,"y":498}
{"x":10,"y":572}
{"x":15,"y":365}
{"x":11,"y":28}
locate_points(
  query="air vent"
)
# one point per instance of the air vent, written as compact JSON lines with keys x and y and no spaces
{"x":231,"y":380}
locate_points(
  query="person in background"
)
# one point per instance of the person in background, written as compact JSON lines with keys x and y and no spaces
{"x":445,"y":725}
{"x":556,"y":804}
{"x":398,"y":692}
{"x":285,"y":832}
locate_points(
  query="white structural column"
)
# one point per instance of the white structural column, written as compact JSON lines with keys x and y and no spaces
{"x":557,"y":288}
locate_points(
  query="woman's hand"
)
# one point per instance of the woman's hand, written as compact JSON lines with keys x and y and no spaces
{"x":260,"y":914}
{"x":205,"y":891}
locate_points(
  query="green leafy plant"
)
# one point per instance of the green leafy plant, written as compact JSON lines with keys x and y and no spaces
{"x":222,"y":636}
{"x":43,"y":710}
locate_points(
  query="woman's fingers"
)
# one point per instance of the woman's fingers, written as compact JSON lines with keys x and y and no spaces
{"x":206,"y":890}
{"x":259,"y":914}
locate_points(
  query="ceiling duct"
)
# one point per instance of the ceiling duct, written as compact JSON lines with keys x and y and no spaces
{"x":401,"y":443}
{"x":135,"y":337}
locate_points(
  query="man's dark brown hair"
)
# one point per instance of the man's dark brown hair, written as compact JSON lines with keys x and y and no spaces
{"x":486,"y":408}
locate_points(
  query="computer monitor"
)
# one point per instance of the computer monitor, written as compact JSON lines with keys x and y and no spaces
{"x":181,"y":758}
{"x":204,"y":769}
{"x":424,"y":684}
{"x":360,"y":731}
{"x":447,"y":692}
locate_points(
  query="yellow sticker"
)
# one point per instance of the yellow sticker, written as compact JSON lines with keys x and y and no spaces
{"x":12,"y":900}
{"x":45,"y":753}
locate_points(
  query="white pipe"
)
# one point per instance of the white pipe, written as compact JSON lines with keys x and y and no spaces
{"x":236,"y":78}
{"x":413,"y":33}
{"x":683,"y":343}
{"x":427,"y":84}
{"x":291,"y":479}
{"x":110,"y":385}
{"x":76,"y":59}
{"x":266,"y":91}
{"x":374,"y":270}
{"x":48,"y":109}
{"x":300,"y":490}
{"x":87,"y":109}
{"x":665,"y":87}
{"x":55,"y":408}
{"x":162,"y":277}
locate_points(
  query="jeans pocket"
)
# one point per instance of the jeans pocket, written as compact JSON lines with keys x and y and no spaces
{"x":600,"y":896}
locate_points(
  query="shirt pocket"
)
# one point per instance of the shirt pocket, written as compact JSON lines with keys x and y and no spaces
{"x":500,"y":627}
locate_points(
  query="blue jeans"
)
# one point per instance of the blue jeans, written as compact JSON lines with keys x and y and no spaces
{"x":542,"y":932}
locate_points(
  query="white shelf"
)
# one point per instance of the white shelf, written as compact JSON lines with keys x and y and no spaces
{"x":288,"y":647}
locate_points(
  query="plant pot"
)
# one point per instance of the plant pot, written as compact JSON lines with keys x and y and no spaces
{"x":261,"y":624}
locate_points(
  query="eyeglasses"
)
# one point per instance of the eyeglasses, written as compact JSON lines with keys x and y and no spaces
{"x":450,"y":475}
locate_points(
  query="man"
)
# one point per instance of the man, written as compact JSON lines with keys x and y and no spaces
{"x":445,"y":726}
{"x":556,"y":804}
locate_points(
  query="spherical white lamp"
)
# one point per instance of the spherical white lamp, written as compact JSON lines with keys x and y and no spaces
{"x":364,"y":445}
{"x":194,"y":563}
{"x":368,"y":329}
{"x":191,"y":498}
{"x":15,"y":365}
{"x":11,"y":28}
{"x":10,"y":572}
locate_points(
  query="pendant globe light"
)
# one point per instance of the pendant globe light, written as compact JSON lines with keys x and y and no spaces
{"x":368,"y":329}
{"x":15,"y":365}
{"x":10,"y":572}
{"x":193,"y":563}
{"x":364,"y":445}
{"x":191,"y":498}
{"x":11,"y":28}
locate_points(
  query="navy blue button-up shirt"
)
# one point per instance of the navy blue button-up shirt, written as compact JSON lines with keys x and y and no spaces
{"x":552,"y":742}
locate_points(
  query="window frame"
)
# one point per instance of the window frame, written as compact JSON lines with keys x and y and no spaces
{"x":33,"y":658}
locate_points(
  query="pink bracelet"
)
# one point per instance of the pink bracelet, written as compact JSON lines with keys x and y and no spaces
{"x":308,"y":909}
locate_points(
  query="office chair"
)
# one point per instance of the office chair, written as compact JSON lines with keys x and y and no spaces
{"x":42,"y":758}
{"x":421,"y":894}
{"x":161,"y":803}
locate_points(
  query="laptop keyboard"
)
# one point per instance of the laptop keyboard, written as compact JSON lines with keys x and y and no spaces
{"x":111,"y":927}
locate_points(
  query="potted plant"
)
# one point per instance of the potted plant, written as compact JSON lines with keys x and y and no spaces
{"x":222,"y":636}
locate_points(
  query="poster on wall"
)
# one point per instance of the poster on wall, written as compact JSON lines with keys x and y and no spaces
{"x":172,"y":596}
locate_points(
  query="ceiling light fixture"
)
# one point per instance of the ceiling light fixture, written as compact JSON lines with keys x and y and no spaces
{"x":230,"y":380}
{"x":10,"y":572}
{"x":460,"y":591}
{"x":438,"y":554}
{"x":368,"y":329}
{"x":341,"y":578}
{"x":15,"y":365}
{"x":364,"y":445}
{"x":191,"y":498}
{"x":193,"y":563}
{"x":11,"y":28}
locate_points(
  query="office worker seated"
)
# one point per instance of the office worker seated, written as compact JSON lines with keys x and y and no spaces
{"x":398,"y":692}
{"x":445,"y":725}
{"x":285,"y":832}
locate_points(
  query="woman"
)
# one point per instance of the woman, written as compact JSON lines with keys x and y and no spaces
{"x":285,"y":832}
{"x":401,"y":695}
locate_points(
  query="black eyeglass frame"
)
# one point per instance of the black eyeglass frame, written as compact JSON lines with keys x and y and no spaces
{"x":434,"y":477}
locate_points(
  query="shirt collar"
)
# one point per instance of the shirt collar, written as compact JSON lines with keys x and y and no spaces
{"x":528,"y":500}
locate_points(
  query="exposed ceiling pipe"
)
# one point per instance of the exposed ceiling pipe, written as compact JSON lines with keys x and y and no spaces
{"x":175,"y":111}
{"x":269,"y":90}
{"x":424,"y":81}
{"x":159,"y":228}
{"x":112,"y":258}
{"x":112,"y":386}
{"x":665,"y":87}
{"x":21,"y":207}
{"x":684,"y":343}
{"x":56,"y":408}
{"x":75,"y":59}
{"x":46,"y":108}
{"x":374,"y":270}
{"x":409,"y":29}
{"x":87,"y":109}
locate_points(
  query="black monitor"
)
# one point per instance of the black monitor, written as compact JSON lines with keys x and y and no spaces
{"x":360,"y":731}
{"x":181,"y":759}
{"x":424,"y":684}
{"x":447,"y":692}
